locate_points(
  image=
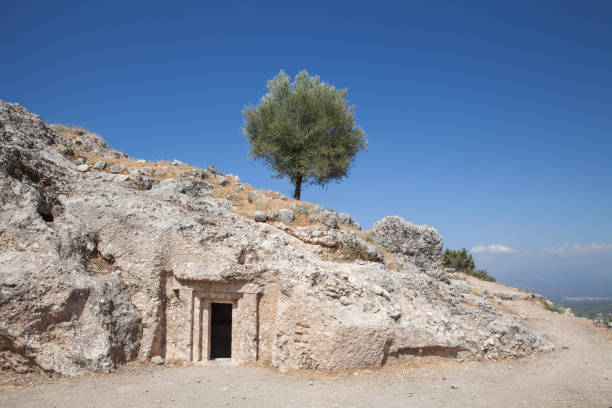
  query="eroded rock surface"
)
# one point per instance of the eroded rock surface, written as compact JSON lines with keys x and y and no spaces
{"x":99,"y":268}
{"x":420,"y":245}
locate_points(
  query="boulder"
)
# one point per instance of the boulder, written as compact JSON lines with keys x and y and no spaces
{"x":158,"y":360}
{"x":272,"y":215}
{"x":117,"y":168}
{"x":345,"y":219}
{"x":199,"y":173}
{"x":222,"y":181}
{"x":317,"y":208}
{"x":286,"y":215}
{"x":330,"y":219}
{"x":80,"y":160}
{"x":420,"y":245}
{"x":259,"y":216}
{"x":83,"y":168}
{"x":99,"y":165}
{"x":234,"y":178}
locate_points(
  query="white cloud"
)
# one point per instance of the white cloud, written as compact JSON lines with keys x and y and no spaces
{"x":493,"y":249}
{"x":578,"y":249}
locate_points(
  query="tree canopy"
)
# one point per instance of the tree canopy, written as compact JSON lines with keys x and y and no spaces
{"x":305,"y":130}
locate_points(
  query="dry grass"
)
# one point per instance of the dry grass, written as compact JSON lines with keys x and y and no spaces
{"x":163,"y":169}
{"x":245,"y":198}
{"x":71,"y":132}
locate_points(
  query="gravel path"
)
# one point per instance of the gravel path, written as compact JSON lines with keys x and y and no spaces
{"x":578,"y":374}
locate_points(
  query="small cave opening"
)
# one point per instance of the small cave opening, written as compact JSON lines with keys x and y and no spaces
{"x":46,"y":206}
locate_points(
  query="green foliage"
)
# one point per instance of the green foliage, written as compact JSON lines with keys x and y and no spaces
{"x":462,"y":261}
{"x":482,"y":274}
{"x":553,"y":307}
{"x":305,"y":130}
{"x":91,"y":234}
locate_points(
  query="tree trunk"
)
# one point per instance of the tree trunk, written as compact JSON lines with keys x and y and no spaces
{"x":298,"y":187}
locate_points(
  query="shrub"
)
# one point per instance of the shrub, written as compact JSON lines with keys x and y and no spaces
{"x":91,"y":234}
{"x":68,"y":152}
{"x":355,"y":250}
{"x":553,"y":307}
{"x":482,"y":274}
{"x":302,"y":209}
{"x":462,"y":261}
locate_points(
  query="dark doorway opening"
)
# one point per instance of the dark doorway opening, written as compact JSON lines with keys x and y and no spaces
{"x":221,"y":330}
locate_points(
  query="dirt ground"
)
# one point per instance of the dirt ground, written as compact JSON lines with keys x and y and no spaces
{"x":577,"y":374}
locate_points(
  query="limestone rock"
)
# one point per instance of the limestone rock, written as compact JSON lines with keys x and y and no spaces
{"x":272,"y":215}
{"x":345,"y":219}
{"x":199,"y":173}
{"x":117,"y":168}
{"x":234,"y":178}
{"x":420,"y":245}
{"x":95,"y":272}
{"x":330,"y":219}
{"x":99,"y":165}
{"x":158,"y":360}
{"x":317,"y":208}
{"x":348,"y":242}
{"x":83,"y":168}
{"x":259,"y":216}
{"x":285,"y":215}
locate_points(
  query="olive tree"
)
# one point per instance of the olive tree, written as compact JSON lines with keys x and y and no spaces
{"x":305,"y":130}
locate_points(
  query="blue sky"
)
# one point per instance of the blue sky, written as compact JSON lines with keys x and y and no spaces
{"x":491,"y":121}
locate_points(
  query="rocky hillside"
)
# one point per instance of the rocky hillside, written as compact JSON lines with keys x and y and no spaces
{"x":93,"y":244}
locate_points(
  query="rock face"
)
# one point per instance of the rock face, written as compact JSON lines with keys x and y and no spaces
{"x":56,"y":314}
{"x":99,"y":268}
{"x":420,"y":245}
